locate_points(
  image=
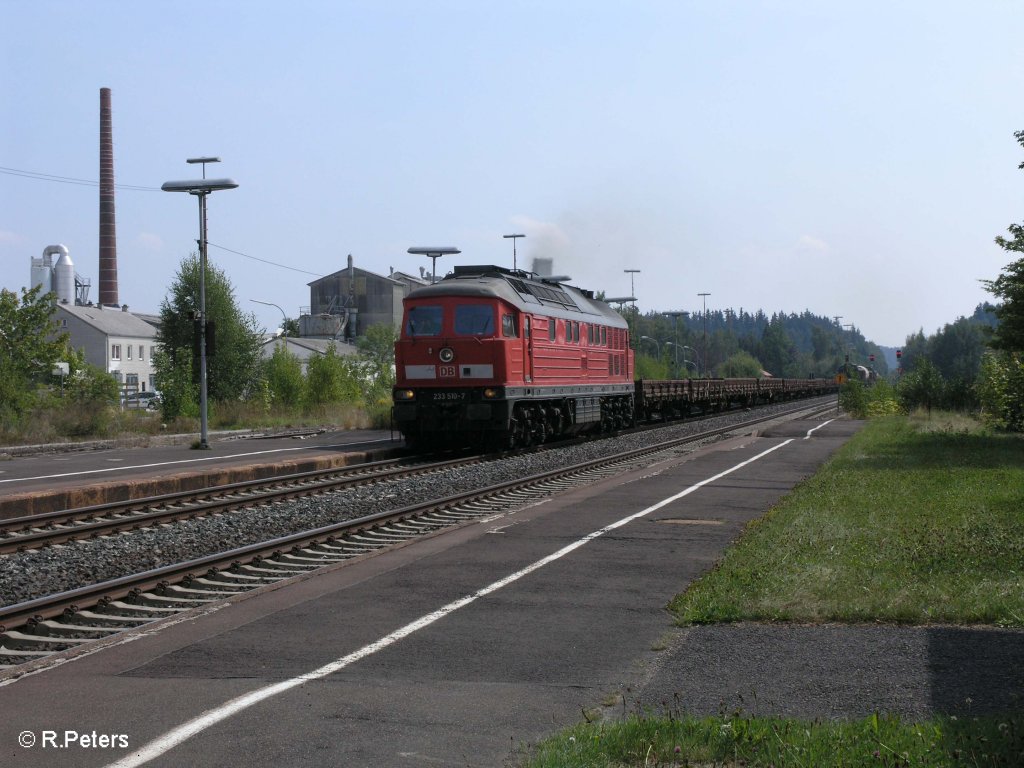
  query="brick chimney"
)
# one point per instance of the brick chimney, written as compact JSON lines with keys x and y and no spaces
{"x":108,"y":230}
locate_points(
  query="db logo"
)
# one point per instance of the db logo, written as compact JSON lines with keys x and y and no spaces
{"x":446,"y":371}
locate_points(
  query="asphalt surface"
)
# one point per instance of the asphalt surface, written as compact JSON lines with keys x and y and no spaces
{"x":447,"y":652}
{"x":45,"y":478}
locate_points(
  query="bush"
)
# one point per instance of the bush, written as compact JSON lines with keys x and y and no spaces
{"x":1000,"y":391}
{"x":923,"y":387}
{"x":284,"y":378}
{"x":868,"y":401}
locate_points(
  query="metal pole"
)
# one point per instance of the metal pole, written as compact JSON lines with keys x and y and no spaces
{"x":203,"y":432}
{"x":513,"y":238}
{"x":705,"y":297}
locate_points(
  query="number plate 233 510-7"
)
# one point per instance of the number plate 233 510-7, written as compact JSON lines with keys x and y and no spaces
{"x":448,"y":396}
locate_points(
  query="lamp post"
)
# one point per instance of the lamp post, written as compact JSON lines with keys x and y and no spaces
{"x":705,"y":297}
{"x":848,"y":346}
{"x":513,"y":238}
{"x":675,"y":354}
{"x":657,"y":345}
{"x":675,"y":330}
{"x":201,"y":188}
{"x":284,"y":317}
{"x":434,"y":254}
{"x":632,"y":288}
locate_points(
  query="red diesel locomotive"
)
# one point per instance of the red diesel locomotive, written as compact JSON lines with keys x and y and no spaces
{"x":500,"y":358}
{"x":495,"y":358}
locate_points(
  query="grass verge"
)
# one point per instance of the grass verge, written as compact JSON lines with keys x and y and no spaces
{"x":734,"y":741}
{"x":911,"y":521}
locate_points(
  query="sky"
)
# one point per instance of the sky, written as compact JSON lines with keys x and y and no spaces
{"x":849,"y":159}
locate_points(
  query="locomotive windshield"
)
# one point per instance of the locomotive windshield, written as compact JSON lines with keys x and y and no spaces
{"x":423,"y":321}
{"x":474,"y":320}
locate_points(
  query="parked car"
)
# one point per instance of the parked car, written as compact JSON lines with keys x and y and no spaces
{"x":149,"y":400}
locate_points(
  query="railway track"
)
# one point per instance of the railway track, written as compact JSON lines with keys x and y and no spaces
{"x":52,"y":528}
{"x":34,"y":630}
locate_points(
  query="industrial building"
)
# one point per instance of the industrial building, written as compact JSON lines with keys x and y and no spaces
{"x":344,"y":304}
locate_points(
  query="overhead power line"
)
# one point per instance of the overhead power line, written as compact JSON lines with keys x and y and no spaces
{"x":90,"y":183}
{"x":70,"y":180}
{"x":265,"y":261}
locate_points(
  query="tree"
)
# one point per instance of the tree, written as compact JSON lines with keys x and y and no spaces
{"x":741,"y":365}
{"x":290,"y":327}
{"x":30,"y":344}
{"x":1000,"y":390}
{"x":284,"y":377}
{"x":1009,"y":287}
{"x":234,"y":367}
{"x":924,"y":386}
{"x":776,"y":350}
{"x":330,"y":379}
{"x":377,"y":353}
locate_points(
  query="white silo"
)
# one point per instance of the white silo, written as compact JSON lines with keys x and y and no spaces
{"x":42,"y":268}
{"x":64,"y":277}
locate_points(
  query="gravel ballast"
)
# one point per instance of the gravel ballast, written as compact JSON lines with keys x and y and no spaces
{"x":37,"y":573}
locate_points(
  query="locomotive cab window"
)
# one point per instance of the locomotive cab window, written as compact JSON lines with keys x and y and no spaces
{"x":474,"y":320}
{"x":423,"y":321}
{"x":508,"y":326}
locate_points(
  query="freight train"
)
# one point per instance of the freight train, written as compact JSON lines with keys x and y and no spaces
{"x":496,"y":358}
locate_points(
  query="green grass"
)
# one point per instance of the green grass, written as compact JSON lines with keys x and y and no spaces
{"x":735,"y":741}
{"x":911,"y":521}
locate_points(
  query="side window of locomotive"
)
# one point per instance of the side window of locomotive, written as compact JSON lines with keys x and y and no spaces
{"x":423,"y":321}
{"x":526,"y":327}
{"x":508,"y":326}
{"x":604,"y":336}
{"x":552,"y":329}
{"x":474,"y":320}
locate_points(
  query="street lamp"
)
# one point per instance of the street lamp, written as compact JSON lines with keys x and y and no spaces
{"x":201,"y":188}
{"x":513,"y":238}
{"x":705,"y":297}
{"x":675,"y":315}
{"x":284,"y":317}
{"x":434,"y":254}
{"x":656,"y":344}
{"x":632,"y":288}
{"x":675,"y":354}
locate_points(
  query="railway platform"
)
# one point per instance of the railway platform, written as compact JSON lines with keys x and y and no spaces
{"x":38,"y":479}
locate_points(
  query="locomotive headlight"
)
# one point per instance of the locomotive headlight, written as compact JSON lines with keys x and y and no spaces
{"x":490,"y":393}
{"x":447,"y":354}
{"x":405,"y":394}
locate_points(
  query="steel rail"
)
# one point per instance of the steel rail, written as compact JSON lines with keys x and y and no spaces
{"x":120,"y":516}
{"x":34,"y":612}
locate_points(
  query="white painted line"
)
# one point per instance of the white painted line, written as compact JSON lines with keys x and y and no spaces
{"x":189,"y":461}
{"x":182,"y":733}
{"x":812,"y":431}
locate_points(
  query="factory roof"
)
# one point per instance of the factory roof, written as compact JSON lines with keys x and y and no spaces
{"x":112,"y":321}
